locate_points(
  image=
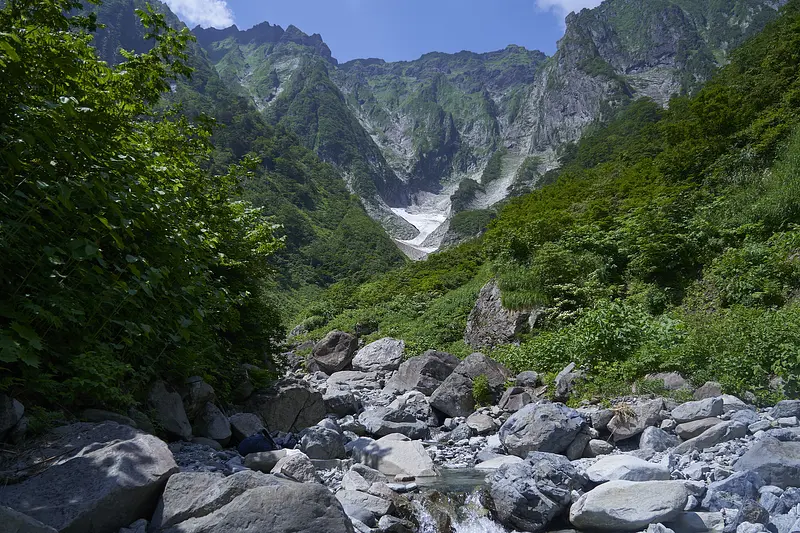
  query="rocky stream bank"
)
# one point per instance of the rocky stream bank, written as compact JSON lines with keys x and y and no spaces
{"x":363,"y":439}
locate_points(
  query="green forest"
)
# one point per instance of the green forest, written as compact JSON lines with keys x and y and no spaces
{"x":153,"y":225}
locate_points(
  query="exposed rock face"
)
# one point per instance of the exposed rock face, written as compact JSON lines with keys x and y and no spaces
{"x":628,"y":505}
{"x":118,"y":482}
{"x":528,"y":495}
{"x":489,"y":323}
{"x":384,"y":355}
{"x":454,"y":397}
{"x":334,"y":352}
{"x":288,"y":406}
{"x":423,"y":373}
{"x":543,"y":427}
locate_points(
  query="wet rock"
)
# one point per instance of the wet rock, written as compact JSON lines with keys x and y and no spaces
{"x":629,"y":421}
{"x":423,"y":373}
{"x":628,"y":505}
{"x":490,"y":324}
{"x":625,"y":467}
{"x":169,"y":412}
{"x":289,"y":406}
{"x":384,"y":355}
{"x":117,"y":483}
{"x":545,"y":427}
{"x":334,"y":352}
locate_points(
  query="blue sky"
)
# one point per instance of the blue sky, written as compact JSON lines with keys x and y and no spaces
{"x":398,"y":29}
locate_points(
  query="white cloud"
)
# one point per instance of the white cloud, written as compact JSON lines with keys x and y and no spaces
{"x":564,"y":7}
{"x":206,"y":13}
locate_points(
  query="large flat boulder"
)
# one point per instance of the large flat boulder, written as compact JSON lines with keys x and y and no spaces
{"x":290,"y":406}
{"x":393,"y":455}
{"x":284,"y":507}
{"x":106,"y":487}
{"x":543,"y":427}
{"x":334,"y":352}
{"x":383,"y":355}
{"x":423,"y":373}
{"x":628,"y":505}
{"x":778,"y":463}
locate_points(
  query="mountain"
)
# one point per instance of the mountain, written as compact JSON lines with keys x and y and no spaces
{"x":407,"y":135}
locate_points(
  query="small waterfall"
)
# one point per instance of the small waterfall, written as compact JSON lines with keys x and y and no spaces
{"x":473,"y":518}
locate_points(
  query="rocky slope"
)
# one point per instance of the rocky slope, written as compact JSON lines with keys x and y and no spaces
{"x":406,"y":134}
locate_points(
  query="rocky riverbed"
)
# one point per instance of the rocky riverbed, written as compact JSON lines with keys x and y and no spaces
{"x":364,"y":439}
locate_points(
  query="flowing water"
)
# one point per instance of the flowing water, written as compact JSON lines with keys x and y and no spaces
{"x":472,"y":518}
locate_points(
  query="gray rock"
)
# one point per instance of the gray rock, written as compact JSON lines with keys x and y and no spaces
{"x":597,"y":417}
{"x":732,"y":492}
{"x":341,"y":401}
{"x":100,"y":415}
{"x":354,"y":380}
{"x":629,"y":422}
{"x":691,"y":522}
{"x":334,"y":352}
{"x":490,"y":324}
{"x":169,"y":412}
{"x":778,"y":463}
{"x":529,"y":379}
{"x":565,"y":381}
{"x":671,"y":381}
{"x":204,"y":441}
{"x":196,"y":494}
{"x":264,"y":461}
{"x":369,"y":474}
{"x":529,"y":495}
{"x":392,"y":524}
{"x":423,"y":373}
{"x":382,"y":421}
{"x":658,"y":440}
{"x":629,"y":505}
{"x":625,"y":467}
{"x":16,"y":522}
{"x":384,"y":355}
{"x":289,"y":406}
{"x":698,"y":409}
{"x":786,"y":408}
{"x":690,"y":430}
{"x":598,"y":447}
{"x":142,"y":421}
{"x":352,"y":481}
{"x":496,"y":462}
{"x":286,"y":507}
{"x":117,"y":483}
{"x":545,"y":427}
{"x":321,"y":443}
{"x":719,"y":433}
{"x":140,"y":526}
{"x":244,"y":425}
{"x":212,"y":423}
{"x":197,"y":393}
{"x":731,"y":404}
{"x":454,"y":397}
{"x":297,"y":466}
{"x":416,"y":404}
{"x":481,"y":424}
{"x":710,"y":389}
{"x":375,"y":505}
{"x":391,"y":456}
{"x":514,"y":399}
{"x":658,"y":528}
{"x":576,"y":449}
{"x":748,"y":527}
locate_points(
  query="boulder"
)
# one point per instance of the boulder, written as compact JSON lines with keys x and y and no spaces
{"x":778,"y":463}
{"x":698,"y":409}
{"x":733,"y":491}
{"x":710,"y":389}
{"x":598,"y":447}
{"x":197,"y":393}
{"x":142,"y":421}
{"x":417,"y":404}
{"x":656,"y":439}
{"x":565,"y":381}
{"x":264,"y":461}
{"x":106,"y":487}
{"x":195,"y":494}
{"x":629,"y":505}
{"x":99,"y":416}
{"x":297,"y":466}
{"x":321,"y":443}
{"x":375,"y":505}
{"x":671,"y":381}
{"x":354,"y":380}
{"x":16,"y":522}
{"x":244,"y":425}
{"x":544,"y":427}
{"x":289,"y":406}
{"x":334,"y":352}
{"x":785,"y":409}
{"x":515,"y":398}
{"x":169,"y":412}
{"x":528,"y":378}
{"x":490,"y":324}
{"x":629,"y":421}
{"x":384,"y":355}
{"x":284,"y":507}
{"x":720,"y":433}
{"x":690,"y":430}
{"x":392,"y":456}
{"x":454,"y":397}
{"x":529,"y":494}
{"x":212,"y":423}
{"x":690,"y":522}
{"x":382,"y":421}
{"x":625,"y":467}
{"x":423,"y":373}
{"x":341,"y":401}
{"x":496,"y":462}
{"x":481,"y":424}
{"x":597,"y":417}
{"x":578,"y":446}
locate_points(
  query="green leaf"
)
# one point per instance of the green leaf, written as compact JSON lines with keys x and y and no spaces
{"x":28,"y":334}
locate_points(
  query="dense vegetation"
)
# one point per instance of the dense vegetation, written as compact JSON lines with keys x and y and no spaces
{"x":668,"y":242}
{"x":123,"y":260}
